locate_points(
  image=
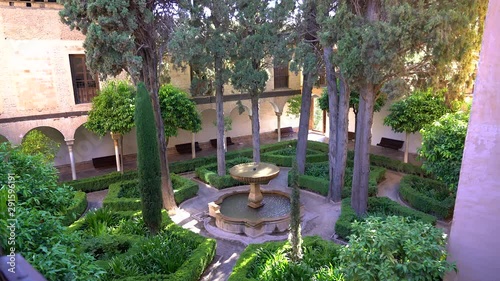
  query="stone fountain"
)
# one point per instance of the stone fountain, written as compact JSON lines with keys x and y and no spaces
{"x":252,"y":212}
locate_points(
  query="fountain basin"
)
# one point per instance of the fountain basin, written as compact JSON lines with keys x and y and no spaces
{"x":232,"y":214}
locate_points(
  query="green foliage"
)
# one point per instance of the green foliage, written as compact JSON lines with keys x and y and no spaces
{"x":178,"y":111}
{"x":443,"y":145}
{"x":125,"y":195}
{"x":41,"y":207}
{"x":377,"y":206}
{"x":76,"y":209}
{"x":294,"y":104}
{"x":148,"y":160}
{"x":396,"y":165}
{"x":412,"y":113}
{"x":429,"y":196}
{"x":209,"y":174}
{"x":286,"y":157}
{"x":112,"y":109}
{"x":398,"y":249}
{"x":228,"y":123}
{"x":36,"y":142}
{"x":101,"y":182}
{"x":270,"y":261}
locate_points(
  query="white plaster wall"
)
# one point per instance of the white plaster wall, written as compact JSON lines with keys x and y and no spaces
{"x":242,"y":125}
{"x":88,"y":145}
{"x":267,"y":117}
{"x":379,"y":130}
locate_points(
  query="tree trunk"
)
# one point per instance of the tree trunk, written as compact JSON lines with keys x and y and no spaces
{"x":361,"y":172}
{"x":149,"y":75}
{"x":331,"y":81}
{"x":305,"y":113}
{"x":255,"y":127}
{"x":342,"y":128}
{"x":219,"y":108}
{"x":121,"y":151}
{"x":407,"y":147}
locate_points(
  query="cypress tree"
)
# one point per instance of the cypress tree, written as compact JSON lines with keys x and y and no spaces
{"x":148,"y":160}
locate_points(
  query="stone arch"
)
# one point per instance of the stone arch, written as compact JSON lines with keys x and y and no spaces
{"x":274,"y":105}
{"x":61,"y":157}
{"x":208,"y":129}
{"x":244,"y":125}
{"x":267,"y":117}
{"x":88,"y":145}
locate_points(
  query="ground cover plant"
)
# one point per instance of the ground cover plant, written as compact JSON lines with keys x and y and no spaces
{"x":429,"y":196}
{"x":125,"y":249}
{"x":270,"y":261}
{"x":377,"y":206}
{"x":125,"y":195}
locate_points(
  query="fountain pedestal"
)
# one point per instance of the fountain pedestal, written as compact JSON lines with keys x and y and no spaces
{"x":254,"y":174}
{"x":255,"y":196}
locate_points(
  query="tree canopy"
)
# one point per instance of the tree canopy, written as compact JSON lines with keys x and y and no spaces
{"x":37,"y":143}
{"x":178,"y":111}
{"x":412,"y":113}
{"x":112,"y":109}
{"x":443,"y":145}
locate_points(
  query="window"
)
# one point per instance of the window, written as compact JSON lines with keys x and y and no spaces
{"x":321,"y":82}
{"x":281,"y":77}
{"x":84,"y":85}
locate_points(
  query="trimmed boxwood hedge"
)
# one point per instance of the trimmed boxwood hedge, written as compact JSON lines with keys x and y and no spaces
{"x":320,"y":185}
{"x":76,"y":209}
{"x":125,"y":195}
{"x":209,"y":174}
{"x":190,"y":270}
{"x":396,"y":165}
{"x":101,"y":182}
{"x":283,"y":160}
{"x":429,"y":196}
{"x":379,"y":206}
{"x":323,"y":253}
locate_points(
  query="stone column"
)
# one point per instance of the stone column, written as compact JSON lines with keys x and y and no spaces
{"x":278,"y":118}
{"x":193,"y":146}
{"x":116,"y":138}
{"x":70,"y":144}
{"x":474,"y":239}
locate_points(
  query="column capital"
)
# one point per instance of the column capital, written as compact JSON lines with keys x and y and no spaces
{"x":278,"y":113}
{"x":115,"y":136}
{"x":69,"y":142}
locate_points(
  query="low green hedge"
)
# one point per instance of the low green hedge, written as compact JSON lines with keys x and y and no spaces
{"x":320,"y":185}
{"x":429,"y":196}
{"x":125,"y":195}
{"x":101,"y":182}
{"x":378,"y":206}
{"x":76,"y":209}
{"x":396,"y":165}
{"x":286,"y":159}
{"x":209,"y":174}
{"x":317,"y":250}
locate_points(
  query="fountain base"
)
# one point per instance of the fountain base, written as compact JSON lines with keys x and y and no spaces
{"x":231,"y":214}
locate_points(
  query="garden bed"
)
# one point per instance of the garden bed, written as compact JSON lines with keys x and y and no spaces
{"x":429,"y":196}
{"x":286,"y":156}
{"x":125,"y":195}
{"x":124,"y":250}
{"x":377,"y":206}
{"x":316,"y":179}
{"x":268,"y":261}
{"x":208,"y":174}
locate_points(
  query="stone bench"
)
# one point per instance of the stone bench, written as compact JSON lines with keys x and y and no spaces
{"x":185,"y":148}
{"x":285,"y":131}
{"x":104,"y":162}
{"x":229,"y":142}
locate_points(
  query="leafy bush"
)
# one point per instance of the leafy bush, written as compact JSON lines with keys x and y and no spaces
{"x":394,"y":248}
{"x":286,"y":156}
{"x":101,"y":182}
{"x":429,"y":196}
{"x":270,"y":261}
{"x":39,"y":212}
{"x":380,"y":206}
{"x":37,"y":143}
{"x":396,"y":165}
